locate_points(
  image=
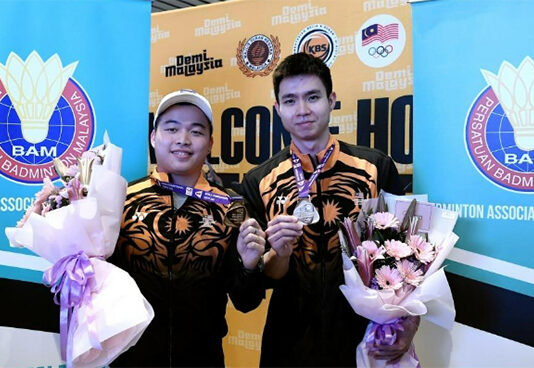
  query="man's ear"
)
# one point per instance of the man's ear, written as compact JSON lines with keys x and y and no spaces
{"x":277,"y":107}
{"x":332,"y":100}
{"x":153,"y":138}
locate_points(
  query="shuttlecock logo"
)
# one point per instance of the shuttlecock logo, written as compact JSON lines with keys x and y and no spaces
{"x":499,"y":131}
{"x":515,"y":90}
{"x":44,"y":114}
{"x":34,"y":87}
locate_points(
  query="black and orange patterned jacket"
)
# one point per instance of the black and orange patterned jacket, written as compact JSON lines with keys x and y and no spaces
{"x":309,"y":321}
{"x":184,"y":261}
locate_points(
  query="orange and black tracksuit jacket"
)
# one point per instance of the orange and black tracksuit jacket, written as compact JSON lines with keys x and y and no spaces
{"x":309,"y":322}
{"x":185,"y":262}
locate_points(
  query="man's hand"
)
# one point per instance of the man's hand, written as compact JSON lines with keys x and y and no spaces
{"x":282,"y":233}
{"x":393,"y":353}
{"x":250,"y":243}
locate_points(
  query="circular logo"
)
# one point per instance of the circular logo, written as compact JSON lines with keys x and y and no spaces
{"x":380,"y":41}
{"x":70,"y":132}
{"x":318,"y":40}
{"x":490,"y":142}
{"x":258,"y":55}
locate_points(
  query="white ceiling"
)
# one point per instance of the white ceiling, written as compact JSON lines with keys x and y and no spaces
{"x":162,"y":5}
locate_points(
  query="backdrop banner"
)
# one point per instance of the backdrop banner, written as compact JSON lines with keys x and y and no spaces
{"x":68,"y":73}
{"x":474,"y":136}
{"x":228,"y":51}
{"x":474,"y":153}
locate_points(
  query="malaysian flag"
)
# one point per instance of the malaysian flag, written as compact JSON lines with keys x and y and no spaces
{"x":379,"y":32}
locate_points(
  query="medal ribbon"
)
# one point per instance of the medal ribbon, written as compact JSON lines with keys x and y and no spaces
{"x":304,"y":185}
{"x":198,"y":193}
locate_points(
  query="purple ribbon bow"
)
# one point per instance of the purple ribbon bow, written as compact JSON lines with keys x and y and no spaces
{"x":386,"y":334}
{"x":71,"y":279}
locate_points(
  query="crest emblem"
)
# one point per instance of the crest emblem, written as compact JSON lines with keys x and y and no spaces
{"x":258,"y":55}
{"x":499,"y":130}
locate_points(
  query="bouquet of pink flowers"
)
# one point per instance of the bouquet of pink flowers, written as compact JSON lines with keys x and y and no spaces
{"x":76,"y":227}
{"x":391,"y":261}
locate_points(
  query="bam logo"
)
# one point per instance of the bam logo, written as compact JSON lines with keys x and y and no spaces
{"x":44,"y":113}
{"x":499,"y":130}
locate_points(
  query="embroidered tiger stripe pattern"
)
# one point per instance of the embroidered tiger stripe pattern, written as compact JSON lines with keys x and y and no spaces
{"x":188,"y":243}
{"x":351,"y":174}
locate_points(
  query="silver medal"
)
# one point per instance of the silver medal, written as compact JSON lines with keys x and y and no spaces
{"x":306,"y":212}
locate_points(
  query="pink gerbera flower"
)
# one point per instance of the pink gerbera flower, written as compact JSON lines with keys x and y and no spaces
{"x":388,"y":278}
{"x":397,"y":249}
{"x":423,"y":250}
{"x":409,"y":271}
{"x":384,"y":220}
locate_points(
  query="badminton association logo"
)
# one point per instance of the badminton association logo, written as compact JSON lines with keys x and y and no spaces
{"x":499,"y":128}
{"x":44,"y":114}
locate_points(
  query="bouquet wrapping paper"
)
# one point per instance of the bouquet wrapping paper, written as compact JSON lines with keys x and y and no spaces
{"x":102,"y":311}
{"x":430,"y":299}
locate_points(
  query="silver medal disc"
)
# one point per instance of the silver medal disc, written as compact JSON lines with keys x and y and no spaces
{"x":306,"y":212}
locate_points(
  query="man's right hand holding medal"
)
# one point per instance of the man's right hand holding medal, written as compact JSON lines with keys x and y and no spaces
{"x":282,"y":233}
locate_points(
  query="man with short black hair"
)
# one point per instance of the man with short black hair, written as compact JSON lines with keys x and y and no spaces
{"x":182,"y":242}
{"x":300,"y":196}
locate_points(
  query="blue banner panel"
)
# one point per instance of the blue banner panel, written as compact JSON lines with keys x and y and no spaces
{"x":474,"y":131}
{"x":69,"y":71}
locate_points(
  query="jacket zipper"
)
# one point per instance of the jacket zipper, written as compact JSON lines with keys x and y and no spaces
{"x":321,"y":248}
{"x":169,"y":276}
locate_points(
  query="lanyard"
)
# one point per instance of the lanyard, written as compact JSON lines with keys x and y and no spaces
{"x":304,"y":185}
{"x":198,"y":193}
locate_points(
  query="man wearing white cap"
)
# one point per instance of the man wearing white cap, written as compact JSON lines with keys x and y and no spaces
{"x":186,"y":243}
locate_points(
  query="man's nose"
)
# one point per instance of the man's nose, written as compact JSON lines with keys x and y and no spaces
{"x":302,"y":108}
{"x":183,"y":137}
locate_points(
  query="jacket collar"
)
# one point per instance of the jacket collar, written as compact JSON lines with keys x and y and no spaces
{"x":307,"y":164}
{"x":201,"y":183}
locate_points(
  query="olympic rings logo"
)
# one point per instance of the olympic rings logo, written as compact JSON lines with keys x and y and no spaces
{"x":383,"y":51}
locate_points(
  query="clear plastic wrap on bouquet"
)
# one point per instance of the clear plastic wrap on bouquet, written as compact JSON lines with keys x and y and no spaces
{"x":102,"y":311}
{"x":431,"y":298}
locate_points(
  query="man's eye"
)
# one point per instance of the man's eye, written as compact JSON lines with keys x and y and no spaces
{"x":197,"y":132}
{"x":286,"y":102}
{"x":313,"y":98}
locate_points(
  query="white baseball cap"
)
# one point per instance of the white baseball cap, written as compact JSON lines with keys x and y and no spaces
{"x":185,"y":96}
